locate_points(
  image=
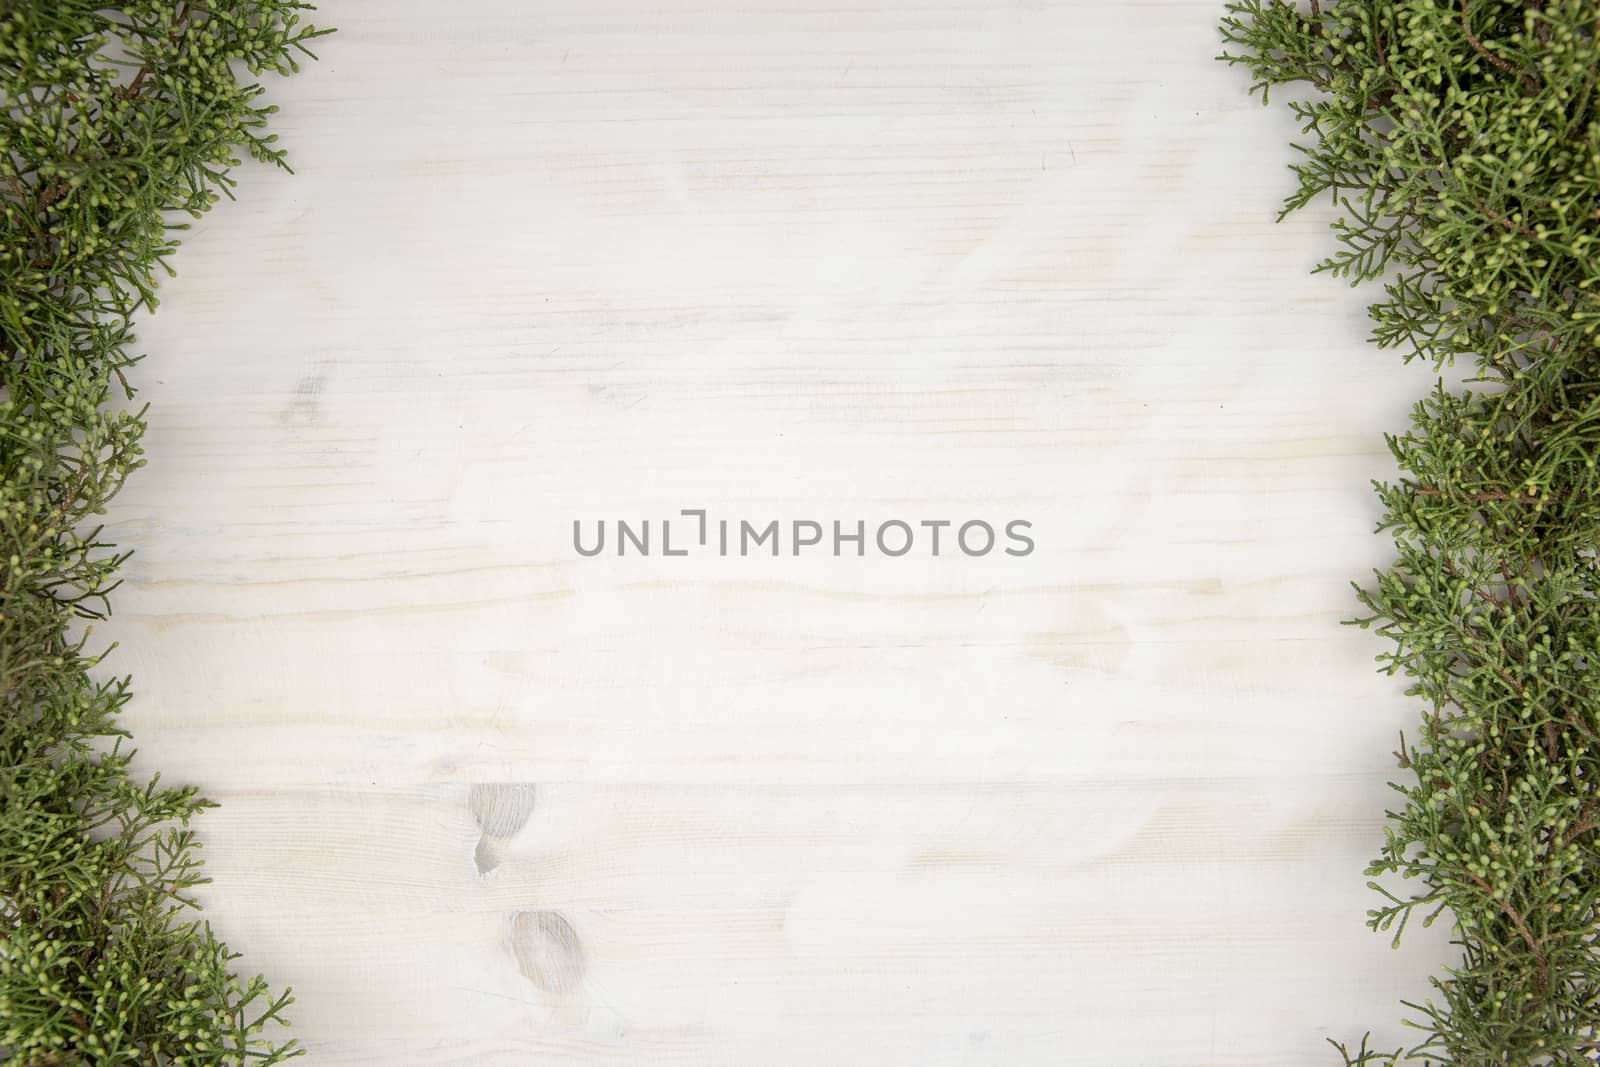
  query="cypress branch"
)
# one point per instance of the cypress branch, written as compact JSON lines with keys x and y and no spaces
{"x":117,"y":121}
{"x":1460,"y":140}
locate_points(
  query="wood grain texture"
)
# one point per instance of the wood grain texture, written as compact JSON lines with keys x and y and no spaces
{"x":485,"y":802}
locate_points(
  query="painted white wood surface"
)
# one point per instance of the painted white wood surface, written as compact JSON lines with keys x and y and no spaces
{"x":1107,"y":804}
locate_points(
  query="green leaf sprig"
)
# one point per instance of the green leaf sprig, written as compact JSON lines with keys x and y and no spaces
{"x":1460,"y":141}
{"x":118,"y":121}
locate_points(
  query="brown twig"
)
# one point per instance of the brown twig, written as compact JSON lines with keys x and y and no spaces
{"x":132,"y":89}
{"x":1541,"y":965}
{"x":1477,"y":46}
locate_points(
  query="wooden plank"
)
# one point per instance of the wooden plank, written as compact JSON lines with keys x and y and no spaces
{"x":1106,"y":803}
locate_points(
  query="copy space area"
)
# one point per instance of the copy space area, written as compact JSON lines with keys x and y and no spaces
{"x":487,"y":801}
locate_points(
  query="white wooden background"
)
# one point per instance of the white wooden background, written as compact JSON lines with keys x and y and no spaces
{"x":488,"y":803}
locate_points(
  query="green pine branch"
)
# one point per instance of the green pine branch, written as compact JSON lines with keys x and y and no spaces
{"x":1461,"y":141}
{"x":118,"y":121}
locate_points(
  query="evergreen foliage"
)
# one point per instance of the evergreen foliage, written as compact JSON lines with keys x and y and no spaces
{"x":1460,"y":140}
{"x":117,"y":122}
